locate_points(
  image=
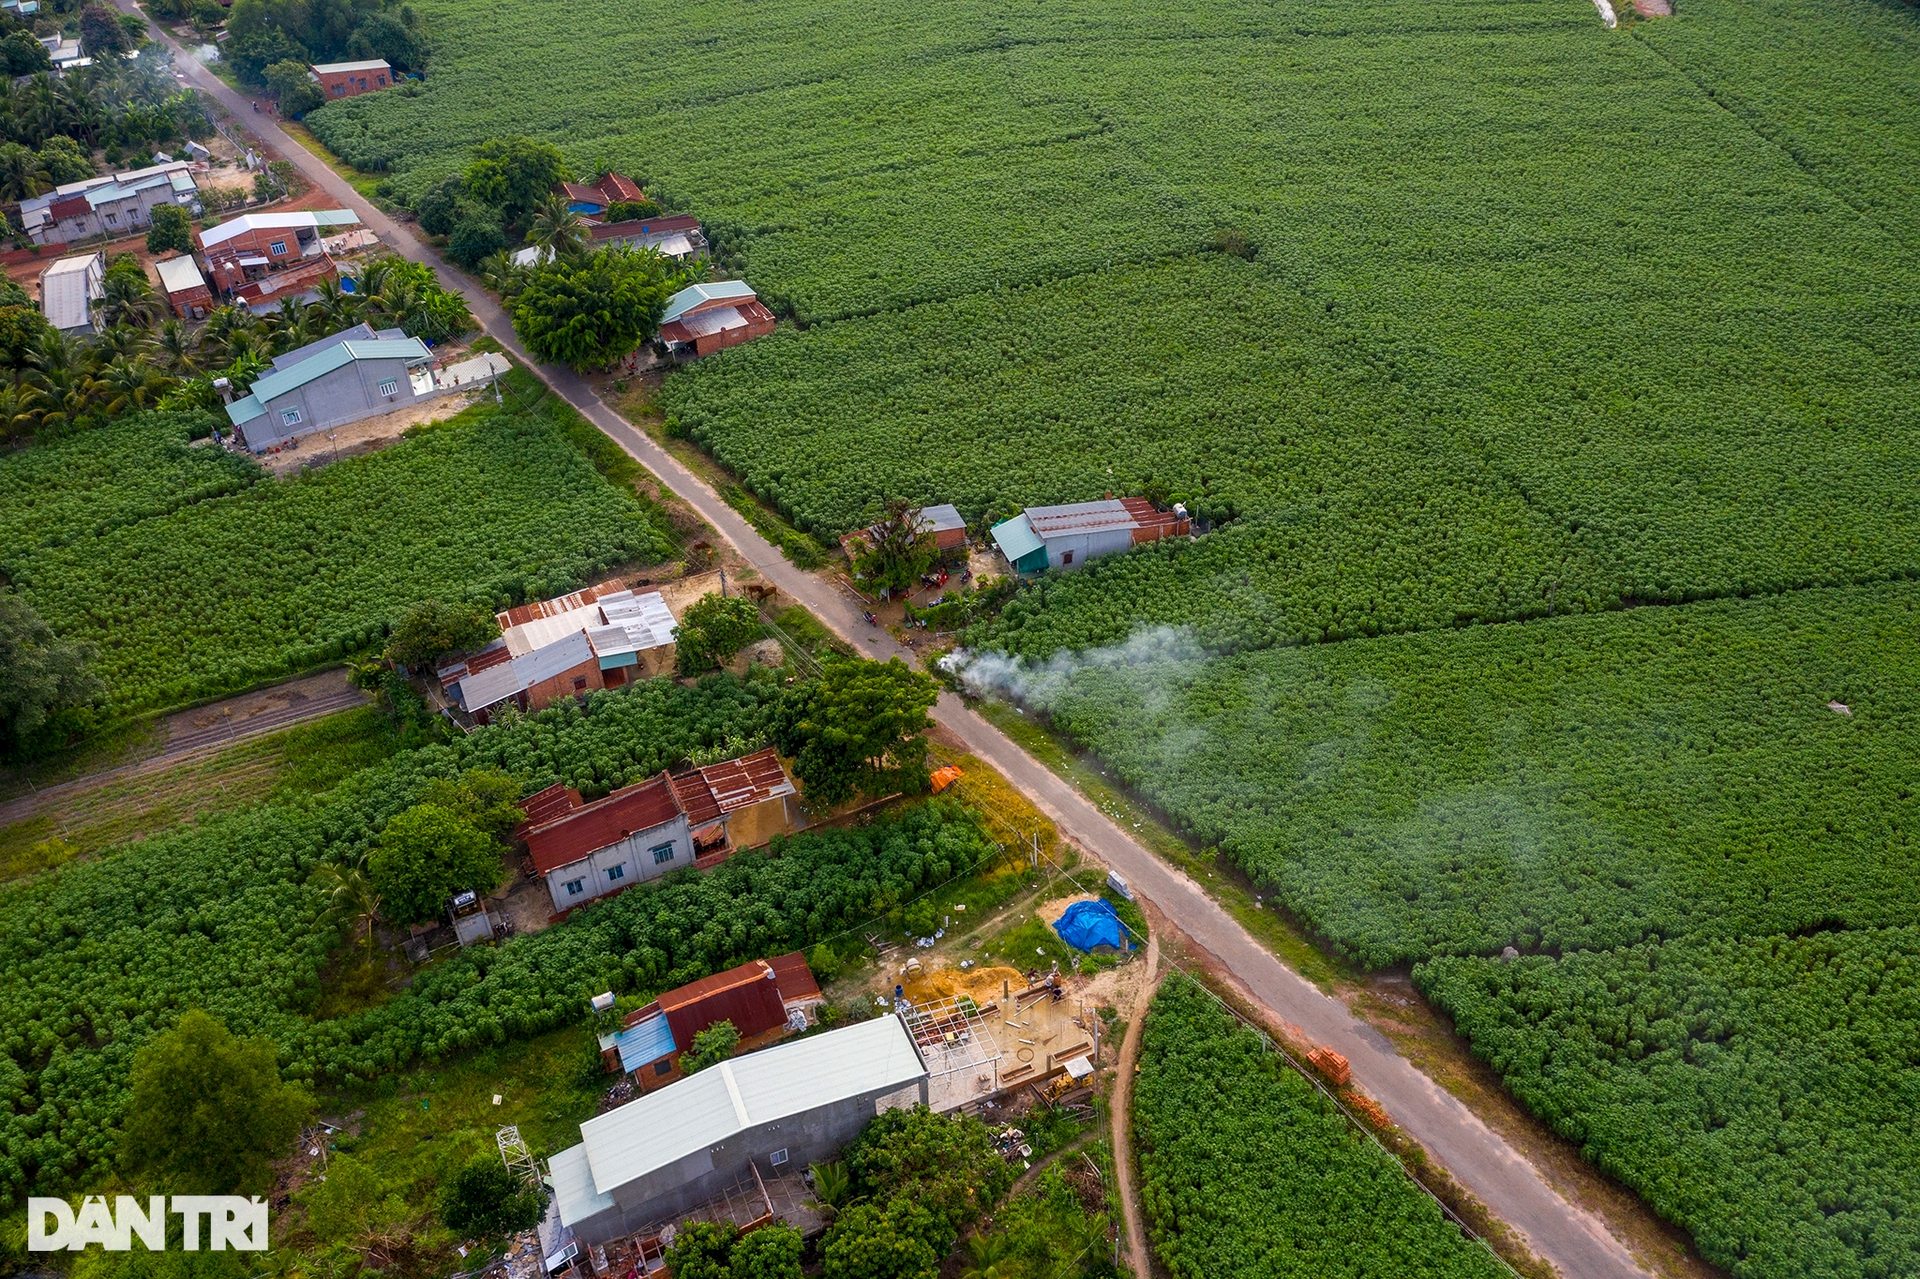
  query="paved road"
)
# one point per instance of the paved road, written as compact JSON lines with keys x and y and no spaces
{"x":1573,"y":1240}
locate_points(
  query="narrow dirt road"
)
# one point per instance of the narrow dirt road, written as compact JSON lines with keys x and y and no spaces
{"x":210,"y":728}
{"x":1123,"y":1118}
{"x":1573,"y":1240}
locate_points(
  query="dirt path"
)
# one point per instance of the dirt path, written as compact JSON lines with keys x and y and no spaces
{"x":1123,"y":1117}
{"x":210,"y":728}
{"x":1574,"y":1240}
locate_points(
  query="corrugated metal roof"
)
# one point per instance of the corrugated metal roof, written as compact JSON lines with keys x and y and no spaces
{"x":573,"y":1189}
{"x":276,"y":222}
{"x":482,"y":689}
{"x":582,"y":194}
{"x":241,"y":412}
{"x":793,"y":978}
{"x":620,"y":187}
{"x":592,"y":827}
{"x":67,"y":291}
{"x":541,"y":807}
{"x":700,"y":294}
{"x":371,"y":64}
{"x":1016,"y":539}
{"x":941,"y":519}
{"x":177,"y":275}
{"x":358,"y":332}
{"x":789,"y":1079}
{"x":337,"y":356}
{"x":642,"y":1043}
{"x":705,"y":323}
{"x":1079,"y":517}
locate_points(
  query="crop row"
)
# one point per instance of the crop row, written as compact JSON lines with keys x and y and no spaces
{"x":216,"y":595}
{"x":1725,"y":774}
{"x":99,"y":956}
{"x":1245,"y":1170}
{"x":135,"y":468}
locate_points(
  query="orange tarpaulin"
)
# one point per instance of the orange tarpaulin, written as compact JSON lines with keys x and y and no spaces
{"x":945,"y":777}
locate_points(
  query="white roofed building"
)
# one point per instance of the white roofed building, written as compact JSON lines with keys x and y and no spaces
{"x":70,"y":290}
{"x":771,"y":1112}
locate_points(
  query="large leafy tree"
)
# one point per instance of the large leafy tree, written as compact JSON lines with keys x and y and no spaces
{"x":169,"y":230}
{"x":898,"y":549}
{"x":484,"y":1198}
{"x":713,"y":629}
{"x":426,"y":855}
{"x":898,"y":1239}
{"x":702,"y":1250}
{"x":710,"y":1047}
{"x":858,"y":728}
{"x":514,"y":174}
{"x":44,"y":681}
{"x":588,"y":314}
{"x":771,"y":1252}
{"x":430,"y":630}
{"x":944,"y":1163}
{"x":209,"y":1113}
{"x":293,"y":89}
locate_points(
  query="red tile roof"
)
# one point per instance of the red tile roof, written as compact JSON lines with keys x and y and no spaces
{"x":580,"y":194}
{"x":72,"y":205}
{"x":542,"y":807}
{"x":620,"y":187}
{"x":794,"y":978}
{"x":521,"y":614}
{"x":565,"y":839}
{"x":636,"y":227}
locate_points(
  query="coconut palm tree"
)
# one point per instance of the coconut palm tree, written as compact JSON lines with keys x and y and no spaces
{"x":122,"y":341}
{"x":128,"y":299}
{"x":124,"y":385}
{"x":179,"y":347}
{"x":23,"y":174}
{"x":559,"y":228}
{"x":18,"y":405}
{"x":832,"y":1186}
{"x":988,"y":1257}
{"x":334,"y":307}
{"x":352,"y":902}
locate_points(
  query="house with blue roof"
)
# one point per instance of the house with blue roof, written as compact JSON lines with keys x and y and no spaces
{"x":340,"y":379}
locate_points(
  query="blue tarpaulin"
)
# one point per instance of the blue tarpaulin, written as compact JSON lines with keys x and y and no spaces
{"x":1090,"y":924}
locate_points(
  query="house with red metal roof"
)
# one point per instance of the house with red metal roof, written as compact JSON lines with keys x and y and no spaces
{"x":588,"y":850}
{"x":640,"y":832}
{"x":703,"y":318}
{"x":765,"y":999}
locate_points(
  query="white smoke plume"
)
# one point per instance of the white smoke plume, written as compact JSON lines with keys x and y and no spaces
{"x":1037,"y":684}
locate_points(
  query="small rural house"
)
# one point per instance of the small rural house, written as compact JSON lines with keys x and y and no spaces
{"x":704,"y":318}
{"x":253,"y":244}
{"x":602,"y":637}
{"x":943,"y":523}
{"x":300,"y":281}
{"x":332,"y":383}
{"x":675,"y":237}
{"x":739,"y":803}
{"x":351,"y":79}
{"x":640,"y":832}
{"x":70,"y":290}
{"x":187,"y":293}
{"x":593,"y":199}
{"x":114,"y":204}
{"x":1042,"y":537}
{"x":765,"y":1000}
{"x":770,"y":1112}
{"x":589,"y":850}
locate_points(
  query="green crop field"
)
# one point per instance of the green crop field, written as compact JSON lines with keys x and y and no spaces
{"x":1247,"y":1171}
{"x":1712,"y":878}
{"x":1533,"y":323}
{"x":198,"y":575}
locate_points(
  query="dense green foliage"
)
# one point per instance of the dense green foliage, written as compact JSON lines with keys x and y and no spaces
{"x":587,"y":314}
{"x":98,"y":957}
{"x":859,"y":729}
{"x":265,"y":32}
{"x":431,"y":630}
{"x":189,"y":598}
{"x":47,"y":684}
{"x":713,"y":629}
{"x":484,"y":1198}
{"x":946,"y":1164}
{"x":710,"y":1047}
{"x":1247,"y":1171}
{"x":1711,"y":875}
{"x":426,"y":855}
{"x":208,"y":1113}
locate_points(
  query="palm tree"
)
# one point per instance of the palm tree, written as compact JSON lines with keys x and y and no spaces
{"x":18,"y":402}
{"x":559,"y":228}
{"x":351,"y":899}
{"x":128,"y":299}
{"x":122,"y":341}
{"x":22,"y":174}
{"x":336,"y":308}
{"x":125,"y":385}
{"x":179,"y":346}
{"x":832,"y":1186}
{"x":291,"y":325}
{"x":988,"y":1257}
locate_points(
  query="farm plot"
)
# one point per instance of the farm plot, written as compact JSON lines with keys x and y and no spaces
{"x":1247,"y":1171}
{"x":97,"y":956}
{"x":212,"y":596}
{"x":1697,"y":858}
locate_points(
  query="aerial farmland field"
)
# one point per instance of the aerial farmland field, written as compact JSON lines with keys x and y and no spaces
{"x":1553,"y":392}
